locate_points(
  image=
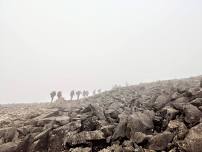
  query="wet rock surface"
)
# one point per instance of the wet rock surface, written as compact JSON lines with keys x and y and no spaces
{"x":158,"y":116}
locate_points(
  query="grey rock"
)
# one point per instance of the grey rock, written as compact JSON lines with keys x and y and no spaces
{"x":161,"y":101}
{"x":161,"y":141}
{"x":83,"y":137}
{"x":193,"y":140}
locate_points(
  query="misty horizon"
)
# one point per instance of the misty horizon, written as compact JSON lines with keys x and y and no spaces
{"x":77,"y":45}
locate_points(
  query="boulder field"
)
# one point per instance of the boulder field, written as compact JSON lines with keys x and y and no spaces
{"x":149,"y":117}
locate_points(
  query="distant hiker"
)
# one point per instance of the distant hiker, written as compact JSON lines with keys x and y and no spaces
{"x":99,"y":90}
{"x":201,"y":83}
{"x":78,"y":93}
{"x":59,"y":94}
{"x":84,"y":93}
{"x":87,"y":93}
{"x":52,"y":94}
{"x":72,"y":94}
{"x":94,"y":92}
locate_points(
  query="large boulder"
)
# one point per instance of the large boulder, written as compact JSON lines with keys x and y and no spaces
{"x":95,"y":110}
{"x":8,"y":134}
{"x":192,"y":114}
{"x":39,"y":142}
{"x":120,"y":130}
{"x":193,"y":140}
{"x":136,"y":122}
{"x":56,"y":137}
{"x":140,"y":122}
{"x":161,"y":101}
{"x":160,"y":141}
{"x":9,"y":147}
{"x":179,"y":103}
{"x":17,"y":146}
{"x":89,"y":123}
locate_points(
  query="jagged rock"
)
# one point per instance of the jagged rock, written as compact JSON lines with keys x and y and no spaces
{"x":108,"y":130}
{"x":197,"y":102}
{"x":8,"y":134}
{"x":194,"y":91}
{"x":149,"y":150}
{"x":169,"y":112}
{"x":113,"y":148}
{"x":39,"y":142}
{"x":112,"y":113}
{"x":56,"y":138}
{"x":9,"y":147}
{"x":52,"y":113}
{"x":114,"y":109}
{"x":127,"y":143}
{"x":193,"y":140}
{"x":17,"y":146}
{"x":161,"y":141}
{"x":117,"y":120}
{"x":83,"y":137}
{"x":192,"y":114}
{"x":128,"y":146}
{"x":129,"y":149}
{"x":200,"y":108}
{"x":161,"y":101}
{"x":175,"y":95}
{"x":120,"y":130}
{"x":178,"y":128}
{"x":55,"y":142}
{"x":158,"y":122}
{"x":95,"y":110}
{"x":179,"y":103}
{"x":173,"y":150}
{"x":42,"y":135}
{"x":87,"y":149}
{"x":36,"y":129}
{"x":24,"y":130}
{"x":61,"y":120}
{"x":72,"y":126}
{"x":139,"y":137}
{"x":140,"y":122}
{"x":89,"y":124}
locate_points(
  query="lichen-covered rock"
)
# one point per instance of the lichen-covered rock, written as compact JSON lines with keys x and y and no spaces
{"x":83,"y":137}
{"x":80,"y":149}
{"x":193,"y":140}
{"x":113,"y":148}
{"x":178,"y":128}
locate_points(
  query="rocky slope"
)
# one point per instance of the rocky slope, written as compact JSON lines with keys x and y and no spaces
{"x":158,"y":116}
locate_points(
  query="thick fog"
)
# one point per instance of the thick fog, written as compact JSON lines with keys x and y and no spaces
{"x":50,"y":45}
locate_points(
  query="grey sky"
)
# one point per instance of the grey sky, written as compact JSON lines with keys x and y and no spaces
{"x":85,"y":44}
